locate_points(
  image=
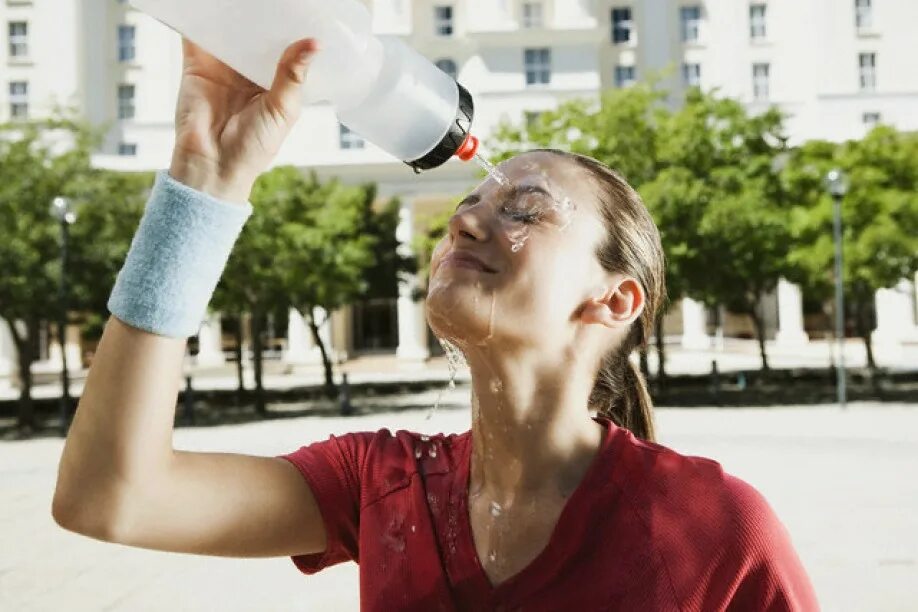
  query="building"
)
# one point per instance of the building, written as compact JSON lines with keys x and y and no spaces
{"x":836,"y":66}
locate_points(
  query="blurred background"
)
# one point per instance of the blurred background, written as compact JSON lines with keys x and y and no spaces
{"x":774,"y":142}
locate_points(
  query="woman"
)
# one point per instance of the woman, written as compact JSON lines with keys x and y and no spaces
{"x":546,"y":281}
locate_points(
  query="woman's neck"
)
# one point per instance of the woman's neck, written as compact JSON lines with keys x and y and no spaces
{"x":531,"y":429}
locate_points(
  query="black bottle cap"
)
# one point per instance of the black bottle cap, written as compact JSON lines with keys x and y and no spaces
{"x":455,"y":136}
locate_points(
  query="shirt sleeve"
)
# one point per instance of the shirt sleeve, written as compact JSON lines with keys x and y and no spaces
{"x":770,"y":575}
{"x":333,"y":470}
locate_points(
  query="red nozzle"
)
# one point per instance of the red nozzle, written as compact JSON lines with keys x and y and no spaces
{"x":468,"y":148}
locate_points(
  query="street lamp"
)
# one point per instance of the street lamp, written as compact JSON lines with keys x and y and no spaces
{"x":837,"y":184}
{"x":62,"y":210}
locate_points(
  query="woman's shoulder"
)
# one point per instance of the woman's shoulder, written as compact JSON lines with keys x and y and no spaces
{"x":694,"y":489}
{"x":699,"y":516}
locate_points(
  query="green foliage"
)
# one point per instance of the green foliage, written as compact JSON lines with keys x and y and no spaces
{"x":879,"y":217}
{"x":38,"y":161}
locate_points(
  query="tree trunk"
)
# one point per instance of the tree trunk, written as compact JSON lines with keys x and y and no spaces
{"x":864,"y":333}
{"x":759,"y":325}
{"x":240,"y":389}
{"x":26,"y":422}
{"x":661,"y":349}
{"x":255,"y":329}
{"x":330,"y":388}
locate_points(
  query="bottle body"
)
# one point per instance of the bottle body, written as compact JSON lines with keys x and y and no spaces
{"x":381,"y":88}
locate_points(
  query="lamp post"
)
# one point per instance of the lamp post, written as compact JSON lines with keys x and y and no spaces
{"x":62,"y":210}
{"x":837,"y":184}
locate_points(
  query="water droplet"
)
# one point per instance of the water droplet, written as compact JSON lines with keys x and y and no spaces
{"x":433,"y":452}
{"x":491,"y":169}
{"x":495,"y":509}
{"x":413,"y":529}
{"x":492,"y":556}
{"x":417,"y":453}
{"x":517,"y":247}
{"x":496,"y":385}
{"x":454,"y":359}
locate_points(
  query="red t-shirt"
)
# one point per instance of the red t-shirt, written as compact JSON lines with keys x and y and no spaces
{"x":646,"y":529}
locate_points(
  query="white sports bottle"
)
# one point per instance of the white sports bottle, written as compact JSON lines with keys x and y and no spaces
{"x":382,"y":89}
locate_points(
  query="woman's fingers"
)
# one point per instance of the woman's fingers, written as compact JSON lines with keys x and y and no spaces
{"x":285,"y":95}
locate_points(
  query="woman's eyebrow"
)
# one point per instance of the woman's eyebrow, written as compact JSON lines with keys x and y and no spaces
{"x":523,"y":189}
{"x":469,"y":199}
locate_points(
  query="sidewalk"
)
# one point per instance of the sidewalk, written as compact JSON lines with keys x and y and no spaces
{"x":733,"y":356}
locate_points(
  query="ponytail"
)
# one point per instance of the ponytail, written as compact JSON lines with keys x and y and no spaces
{"x":620,"y":395}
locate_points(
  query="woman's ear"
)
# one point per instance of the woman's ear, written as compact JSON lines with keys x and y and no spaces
{"x":618,"y":305}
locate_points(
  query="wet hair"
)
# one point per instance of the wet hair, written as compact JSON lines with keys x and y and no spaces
{"x":632,"y":247}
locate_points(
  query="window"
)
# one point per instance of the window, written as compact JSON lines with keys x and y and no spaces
{"x":19,"y":99}
{"x":537,"y":63}
{"x":863,"y":14}
{"x":443,"y":20}
{"x":691,"y":75}
{"x":870,"y":119}
{"x":448,"y":66}
{"x":126,"y":43}
{"x":125,"y":101}
{"x":760,"y":81}
{"x":867,"y":63}
{"x":19,"y":38}
{"x":624,"y":76}
{"x":756,"y":21}
{"x":690,"y":18}
{"x":348,"y":139}
{"x":532,"y":15}
{"x":127,"y":149}
{"x":621,"y":25}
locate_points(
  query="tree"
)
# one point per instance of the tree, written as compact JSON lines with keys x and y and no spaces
{"x":309,"y":245}
{"x":111,"y":206}
{"x":879,"y":219}
{"x":38,"y":161}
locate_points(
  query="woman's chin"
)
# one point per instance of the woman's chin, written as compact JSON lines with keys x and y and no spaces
{"x":456,"y":322}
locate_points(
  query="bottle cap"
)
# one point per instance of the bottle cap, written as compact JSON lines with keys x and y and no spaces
{"x":456,"y":137}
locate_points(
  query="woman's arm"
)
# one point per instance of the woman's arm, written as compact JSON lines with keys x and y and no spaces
{"x":119,"y":478}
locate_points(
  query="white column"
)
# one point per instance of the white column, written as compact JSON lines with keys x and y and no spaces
{"x":896,"y":315}
{"x":694,"y":325}
{"x":790,"y":315}
{"x":301,"y":349}
{"x":71,"y":345}
{"x":9,"y":375}
{"x":210,"y":342}
{"x":412,"y":322}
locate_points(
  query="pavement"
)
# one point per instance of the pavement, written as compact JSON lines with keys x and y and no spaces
{"x":843,"y":482}
{"x":731,"y":354}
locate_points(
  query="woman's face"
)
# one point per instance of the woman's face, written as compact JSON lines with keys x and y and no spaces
{"x":535,"y":240}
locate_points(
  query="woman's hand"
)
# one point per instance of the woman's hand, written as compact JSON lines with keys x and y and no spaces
{"x":227,"y":128}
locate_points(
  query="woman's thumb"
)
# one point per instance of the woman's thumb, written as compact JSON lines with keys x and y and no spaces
{"x":286,"y":90}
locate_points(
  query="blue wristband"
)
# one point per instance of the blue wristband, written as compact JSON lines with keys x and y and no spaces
{"x":176,"y":258}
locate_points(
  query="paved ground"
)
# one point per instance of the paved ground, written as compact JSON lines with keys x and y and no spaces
{"x":844,"y":483}
{"x":734,"y":354}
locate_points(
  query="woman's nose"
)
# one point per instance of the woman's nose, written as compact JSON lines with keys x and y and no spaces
{"x":470,"y":223}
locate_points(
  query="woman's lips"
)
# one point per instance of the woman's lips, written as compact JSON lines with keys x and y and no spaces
{"x":464,"y":259}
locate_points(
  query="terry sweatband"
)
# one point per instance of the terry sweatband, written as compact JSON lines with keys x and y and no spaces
{"x":176,"y":258}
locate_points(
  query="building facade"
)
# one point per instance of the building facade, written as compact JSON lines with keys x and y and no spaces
{"x":837,"y":67}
